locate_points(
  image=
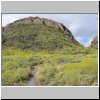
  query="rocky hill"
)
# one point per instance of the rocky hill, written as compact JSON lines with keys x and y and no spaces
{"x":94,"y":43}
{"x":38,"y":21}
{"x":37,"y":34}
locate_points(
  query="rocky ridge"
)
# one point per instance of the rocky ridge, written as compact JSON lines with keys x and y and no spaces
{"x":38,"y":34}
{"x":94,"y":43}
{"x":39,"y":21}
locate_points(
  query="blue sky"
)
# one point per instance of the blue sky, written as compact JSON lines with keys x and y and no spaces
{"x":84,"y":27}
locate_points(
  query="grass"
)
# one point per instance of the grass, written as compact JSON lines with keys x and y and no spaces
{"x":37,"y":38}
{"x":83,"y":73}
{"x":55,"y":69}
{"x":17,"y":66}
{"x":61,"y":60}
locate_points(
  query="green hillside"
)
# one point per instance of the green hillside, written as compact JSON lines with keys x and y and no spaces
{"x":37,"y":37}
{"x":45,"y":51}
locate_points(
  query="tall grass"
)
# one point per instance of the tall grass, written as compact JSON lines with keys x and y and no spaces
{"x":55,"y":69}
{"x":17,"y":66}
{"x":83,"y":73}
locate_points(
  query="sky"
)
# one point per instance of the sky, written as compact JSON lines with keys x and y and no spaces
{"x":84,"y":27}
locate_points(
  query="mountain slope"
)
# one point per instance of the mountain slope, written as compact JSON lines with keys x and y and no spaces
{"x":42,"y":52}
{"x":94,"y":43}
{"x":37,"y":34}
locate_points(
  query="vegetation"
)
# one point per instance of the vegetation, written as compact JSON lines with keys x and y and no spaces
{"x":17,"y":66}
{"x":61,"y":60}
{"x":82,"y":73}
{"x":37,"y":38}
{"x":54,"y":68}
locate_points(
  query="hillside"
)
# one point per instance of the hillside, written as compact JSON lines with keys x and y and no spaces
{"x":94,"y":43}
{"x":41,"y":52}
{"x":38,"y":34}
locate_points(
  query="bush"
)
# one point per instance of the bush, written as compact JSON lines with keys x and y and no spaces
{"x":46,"y":74}
{"x":15,"y":77}
{"x":83,"y":73}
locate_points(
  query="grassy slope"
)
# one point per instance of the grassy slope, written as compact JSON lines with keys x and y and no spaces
{"x":70,"y":74}
{"x":37,"y":37}
{"x":61,"y":61}
{"x":17,"y":66}
{"x":55,"y":68}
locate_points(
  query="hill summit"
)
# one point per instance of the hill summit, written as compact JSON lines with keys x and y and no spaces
{"x":37,"y":34}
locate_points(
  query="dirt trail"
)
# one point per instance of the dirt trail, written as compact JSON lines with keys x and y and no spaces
{"x":32,"y":81}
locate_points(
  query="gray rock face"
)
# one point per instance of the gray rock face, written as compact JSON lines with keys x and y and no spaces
{"x":94,"y":42}
{"x":39,"y":21}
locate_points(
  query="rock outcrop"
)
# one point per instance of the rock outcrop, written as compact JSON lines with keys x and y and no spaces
{"x":39,"y":21}
{"x":94,"y":43}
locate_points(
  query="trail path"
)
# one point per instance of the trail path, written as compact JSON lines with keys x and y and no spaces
{"x":32,"y":81}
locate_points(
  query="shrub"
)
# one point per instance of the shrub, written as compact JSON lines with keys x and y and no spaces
{"x":15,"y":77}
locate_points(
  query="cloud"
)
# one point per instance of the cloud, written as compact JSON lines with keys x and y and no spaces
{"x":84,"y":27}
